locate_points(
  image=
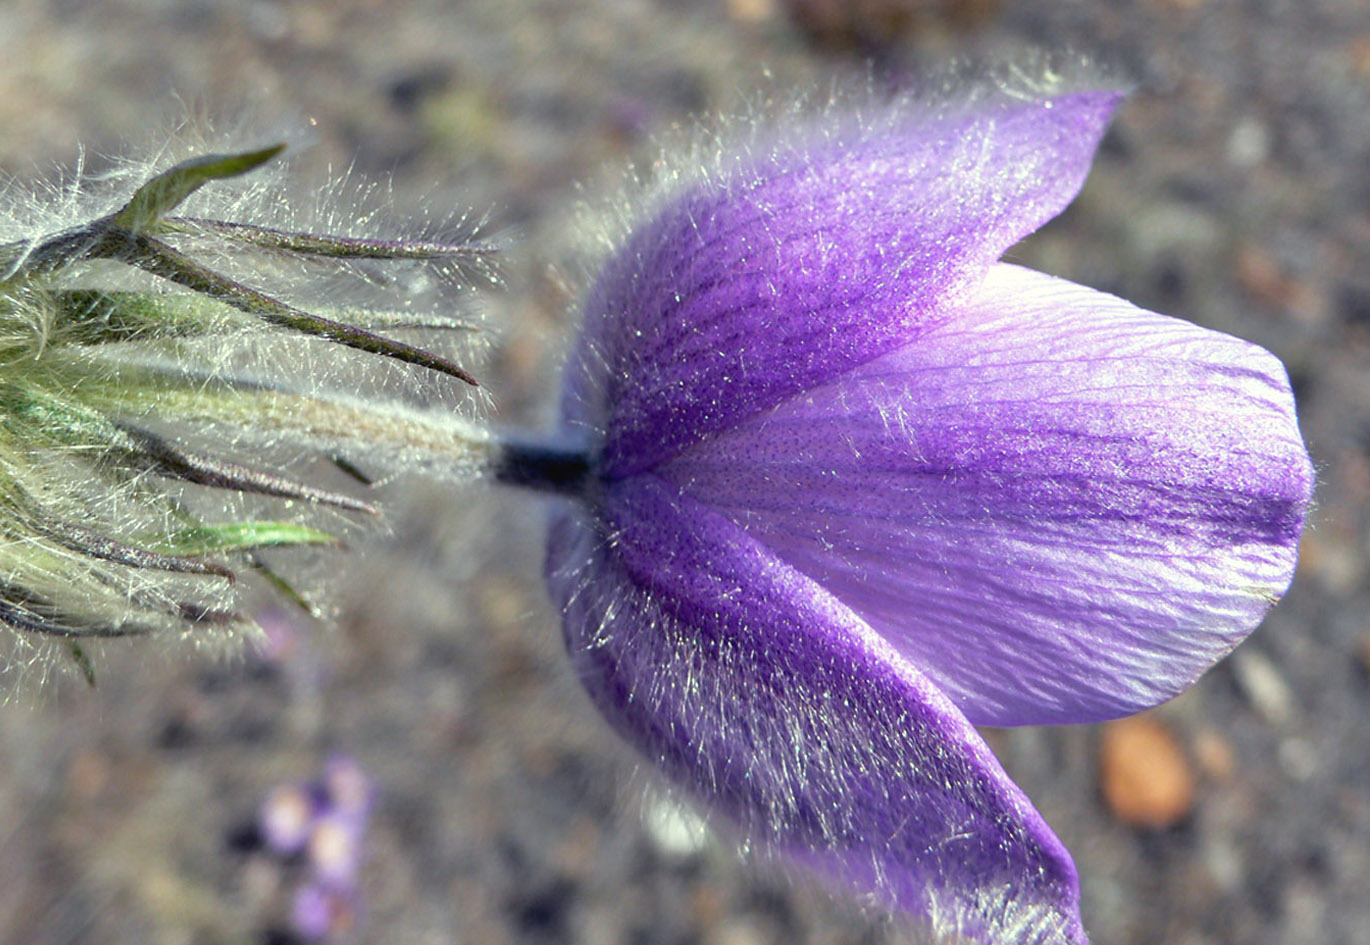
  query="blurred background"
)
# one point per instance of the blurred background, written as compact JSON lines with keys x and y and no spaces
{"x":1232,"y":190}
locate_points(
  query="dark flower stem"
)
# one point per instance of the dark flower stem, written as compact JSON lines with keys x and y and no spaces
{"x":543,"y":465}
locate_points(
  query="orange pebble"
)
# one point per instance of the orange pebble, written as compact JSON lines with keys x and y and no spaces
{"x":1146,"y":779}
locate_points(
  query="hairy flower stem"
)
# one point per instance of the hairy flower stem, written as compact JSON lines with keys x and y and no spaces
{"x":392,"y":431}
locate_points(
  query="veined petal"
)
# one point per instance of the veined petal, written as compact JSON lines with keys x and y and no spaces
{"x":794,"y":266}
{"x":768,"y":698}
{"x":1060,"y":507}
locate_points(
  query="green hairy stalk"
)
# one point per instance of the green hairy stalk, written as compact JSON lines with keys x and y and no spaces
{"x":164,"y":418}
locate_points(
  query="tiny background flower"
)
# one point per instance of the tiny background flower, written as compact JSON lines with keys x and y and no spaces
{"x":318,"y":828}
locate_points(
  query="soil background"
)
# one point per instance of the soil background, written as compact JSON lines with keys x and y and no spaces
{"x":1232,"y":190}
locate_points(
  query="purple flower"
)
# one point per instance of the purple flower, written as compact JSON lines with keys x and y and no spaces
{"x":335,"y":848}
{"x":287,"y":818}
{"x":348,"y":788}
{"x":325,"y":819}
{"x":854,"y":486}
{"x":321,"y":911}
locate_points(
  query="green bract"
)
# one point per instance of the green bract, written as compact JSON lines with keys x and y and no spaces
{"x":149,"y":403}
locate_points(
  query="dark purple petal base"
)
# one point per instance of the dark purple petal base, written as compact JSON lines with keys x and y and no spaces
{"x":740,"y":676}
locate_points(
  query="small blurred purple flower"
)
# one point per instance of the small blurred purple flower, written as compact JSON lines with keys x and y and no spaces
{"x":286,"y":819}
{"x":335,"y":847}
{"x":348,"y":788}
{"x":325,"y":819}
{"x":280,"y":638}
{"x":321,"y":911}
{"x":849,"y":486}
{"x":312,"y":913}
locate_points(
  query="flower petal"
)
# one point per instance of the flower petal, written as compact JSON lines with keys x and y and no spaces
{"x":1060,"y":507}
{"x":755,"y":688}
{"x":797,"y":265}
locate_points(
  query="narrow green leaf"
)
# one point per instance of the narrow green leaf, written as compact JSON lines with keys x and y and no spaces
{"x":167,"y":190}
{"x":161,"y":260}
{"x":93,"y":317}
{"x":335,"y":247}
{"x":26,"y":612}
{"x":83,"y":663}
{"x":287,"y":589}
{"x":167,"y":458}
{"x":89,"y":542}
{"x":36,"y":415}
{"x":241,"y":536}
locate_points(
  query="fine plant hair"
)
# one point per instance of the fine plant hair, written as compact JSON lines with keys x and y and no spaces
{"x":722,"y":151}
{"x":833,"y":483}
{"x":201,"y":382}
{"x":836,"y":747}
{"x":772,"y":484}
{"x":795,"y":753}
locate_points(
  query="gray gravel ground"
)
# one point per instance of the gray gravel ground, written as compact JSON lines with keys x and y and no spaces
{"x":1233,"y":190}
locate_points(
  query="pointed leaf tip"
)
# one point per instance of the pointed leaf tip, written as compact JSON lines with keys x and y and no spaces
{"x":83,"y":663}
{"x":166,"y":191}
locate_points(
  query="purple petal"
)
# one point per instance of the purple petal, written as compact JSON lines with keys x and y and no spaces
{"x":1060,"y":507}
{"x":286,"y":818}
{"x":312,"y":912}
{"x":348,"y":788}
{"x":335,"y":848}
{"x":758,"y":690}
{"x":791,"y":267}
{"x":322,"y":912}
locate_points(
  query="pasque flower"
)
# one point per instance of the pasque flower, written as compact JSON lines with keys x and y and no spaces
{"x":844,"y":485}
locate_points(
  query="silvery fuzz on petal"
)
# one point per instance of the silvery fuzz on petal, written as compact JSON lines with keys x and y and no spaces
{"x":839,"y":484}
